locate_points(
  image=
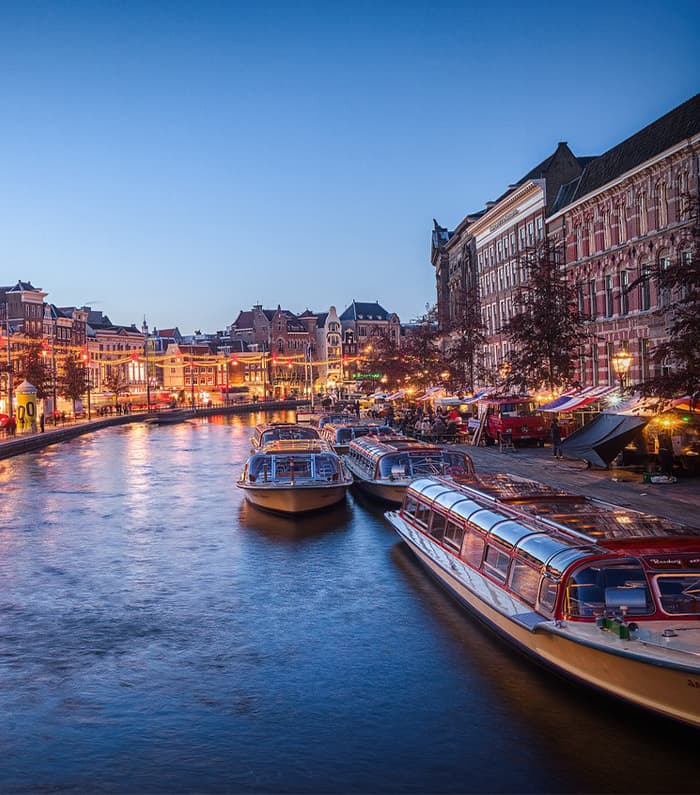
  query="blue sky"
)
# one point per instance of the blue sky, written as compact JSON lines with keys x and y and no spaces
{"x":184,"y":160}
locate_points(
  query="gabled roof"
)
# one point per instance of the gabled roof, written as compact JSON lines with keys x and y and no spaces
{"x":674,"y":127}
{"x":321,"y":319}
{"x":359,"y":310}
{"x":169,"y":332}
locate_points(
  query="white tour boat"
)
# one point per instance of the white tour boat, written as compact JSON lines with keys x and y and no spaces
{"x":276,"y":431}
{"x":384,"y":466}
{"x":606,"y":595}
{"x":294,"y":476}
{"x":340,"y":434}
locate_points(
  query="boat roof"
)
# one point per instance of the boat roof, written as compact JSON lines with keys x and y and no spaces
{"x":539,"y":508}
{"x":296,"y":446}
{"x":395,"y":444}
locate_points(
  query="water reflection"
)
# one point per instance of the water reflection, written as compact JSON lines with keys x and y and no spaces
{"x":295,"y":528}
{"x":158,"y":634}
{"x":582,"y":730}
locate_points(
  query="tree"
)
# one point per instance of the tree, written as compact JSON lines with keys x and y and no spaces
{"x":117,"y":383}
{"x":422,"y":358}
{"x":546,"y":331}
{"x":73,"y":382}
{"x":466,"y":339}
{"x":677,"y":359}
{"x":382,"y":355}
{"x":35,"y":365}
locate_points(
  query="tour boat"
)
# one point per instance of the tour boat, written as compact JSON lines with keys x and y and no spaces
{"x":606,"y":595}
{"x":171,"y":417}
{"x":340,"y":434}
{"x":383,"y":467}
{"x":294,"y":476}
{"x":274,"y":431}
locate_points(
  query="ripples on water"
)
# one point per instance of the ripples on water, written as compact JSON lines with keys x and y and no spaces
{"x":158,"y":634}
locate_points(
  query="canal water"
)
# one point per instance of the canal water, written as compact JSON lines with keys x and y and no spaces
{"x":157,"y":634}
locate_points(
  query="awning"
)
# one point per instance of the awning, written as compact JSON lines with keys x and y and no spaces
{"x":580,"y":399}
{"x":396,"y":395}
{"x":431,"y":392}
{"x":601,"y":440}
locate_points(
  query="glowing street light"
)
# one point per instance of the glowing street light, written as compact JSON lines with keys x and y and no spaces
{"x":621,"y":362}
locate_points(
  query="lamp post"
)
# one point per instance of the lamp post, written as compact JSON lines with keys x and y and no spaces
{"x":621,"y":362}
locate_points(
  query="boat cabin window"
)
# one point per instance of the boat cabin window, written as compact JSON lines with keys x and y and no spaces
{"x":259,"y":468}
{"x":496,"y":563}
{"x":593,"y":590}
{"x":453,"y":535}
{"x":679,"y":593}
{"x":473,"y":549}
{"x":287,"y":467}
{"x":437,"y":525}
{"x":548,"y":594}
{"x":524,"y":581}
{"x":423,"y":514}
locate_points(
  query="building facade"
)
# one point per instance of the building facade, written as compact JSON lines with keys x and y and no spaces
{"x":622,"y":218}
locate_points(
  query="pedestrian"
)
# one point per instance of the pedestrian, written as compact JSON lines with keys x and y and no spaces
{"x":556,"y":439}
{"x":11,"y":426}
{"x":42,"y":422}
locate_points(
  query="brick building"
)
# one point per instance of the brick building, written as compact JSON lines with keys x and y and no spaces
{"x":621,"y":217}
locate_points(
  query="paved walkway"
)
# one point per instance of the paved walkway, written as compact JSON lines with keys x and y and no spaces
{"x":679,"y":501}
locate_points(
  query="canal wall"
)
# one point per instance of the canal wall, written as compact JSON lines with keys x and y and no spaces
{"x":25,"y":443}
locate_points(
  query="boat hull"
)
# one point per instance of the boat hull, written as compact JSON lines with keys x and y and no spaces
{"x":664,"y":686}
{"x":293,"y":499}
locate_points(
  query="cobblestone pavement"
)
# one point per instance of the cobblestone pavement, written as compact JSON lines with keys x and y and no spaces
{"x":679,"y":501}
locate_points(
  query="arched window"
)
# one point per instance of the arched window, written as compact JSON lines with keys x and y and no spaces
{"x":642,"y":220}
{"x":662,"y":204}
{"x":621,"y":223}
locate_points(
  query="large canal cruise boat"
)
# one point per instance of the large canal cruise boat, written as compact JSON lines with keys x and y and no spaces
{"x":294,"y":476}
{"x":339,"y":435}
{"x":606,"y":595}
{"x":275,"y":431}
{"x":384,"y":466}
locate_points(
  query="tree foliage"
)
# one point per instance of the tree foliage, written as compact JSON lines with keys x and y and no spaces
{"x":677,"y":360}
{"x":117,"y":383}
{"x":35,"y":366}
{"x":73,"y":382}
{"x":466,"y":341}
{"x":546,"y":330}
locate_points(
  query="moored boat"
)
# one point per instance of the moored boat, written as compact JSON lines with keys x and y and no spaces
{"x":340,"y":434}
{"x":171,"y":417}
{"x":384,"y":466}
{"x":276,"y":431}
{"x":605,"y":595}
{"x":294,"y":476}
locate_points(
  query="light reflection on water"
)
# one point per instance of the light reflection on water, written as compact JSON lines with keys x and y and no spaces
{"x":158,"y":634}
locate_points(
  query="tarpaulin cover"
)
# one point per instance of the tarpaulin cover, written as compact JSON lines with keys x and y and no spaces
{"x":601,"y":440}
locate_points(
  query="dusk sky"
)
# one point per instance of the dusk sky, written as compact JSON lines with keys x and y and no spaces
{"x":184,"y":160}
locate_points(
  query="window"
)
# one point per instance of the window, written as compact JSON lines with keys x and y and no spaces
{"x":662,"y":204}
{"x":453,"y":535}
{"x":496,"y":563}
{"x":595,"y":374}
{"x":539,"y":228}
{"x":610,"y":352}
{"x":548,"y":594}
{"x":592,"y":590}
{"x":642,"y":220}
{"x":644,"y":368}
{"x":609,"y":308}
{"x":592,"y":308}
{"x":524,"y":581}
{"x":437,"y":526}
{"x":522,"y":237}
{"x":621,"y":225}
{"x":644,"y":288}
{"x":624,"y":294}
{"x":607,"y":240}
{"x":530,"y":238}
{"x":580,"y":300}
{"x":473,"y":549}
{"x":679,"y":593}
{"x":423,"y":514}
{"x":664,"y":292}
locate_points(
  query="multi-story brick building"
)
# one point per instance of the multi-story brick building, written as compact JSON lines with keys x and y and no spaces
{"x":619,"y":219}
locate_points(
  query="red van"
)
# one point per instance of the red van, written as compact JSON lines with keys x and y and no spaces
{"x":514,"y":416}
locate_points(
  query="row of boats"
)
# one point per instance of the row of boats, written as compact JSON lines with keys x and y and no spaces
{"x":606,"y":595}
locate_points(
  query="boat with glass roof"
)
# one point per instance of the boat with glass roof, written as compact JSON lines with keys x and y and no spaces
{"x":274,"y":431}
{"x":606,"y":595}
{"x":294,"y":476}
{"x":340,"y":434}
{"x":384,"y":466}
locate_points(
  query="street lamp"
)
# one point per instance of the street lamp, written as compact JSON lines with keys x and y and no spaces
{"x":621,"y":362}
